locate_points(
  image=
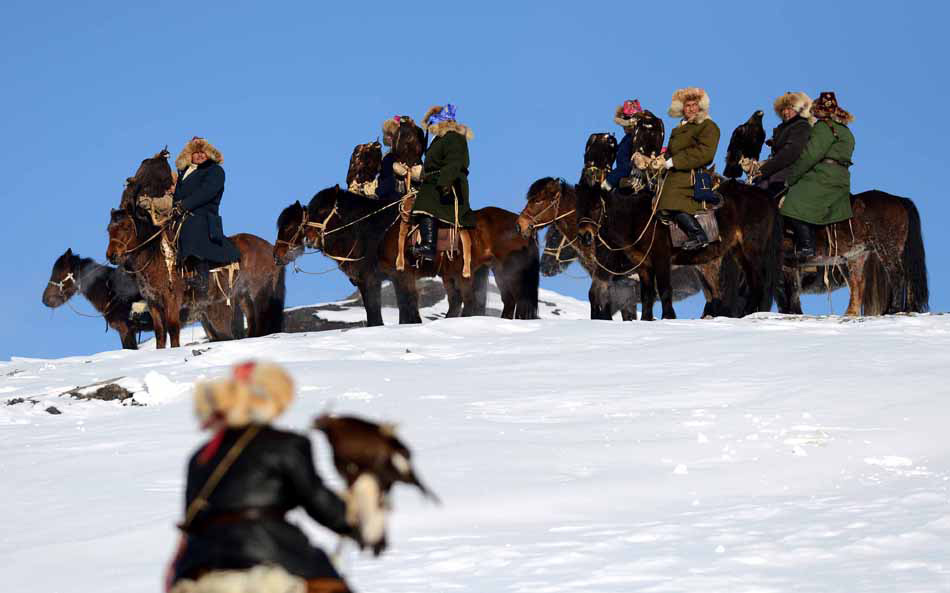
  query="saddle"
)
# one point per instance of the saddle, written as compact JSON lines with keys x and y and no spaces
{"x":705,"y":218}
{"x":449,"y":242}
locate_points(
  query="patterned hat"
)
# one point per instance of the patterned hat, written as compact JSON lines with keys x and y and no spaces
{"x":826,"y":107}
{"x":447,"y":113}
{"x":626,"y":115}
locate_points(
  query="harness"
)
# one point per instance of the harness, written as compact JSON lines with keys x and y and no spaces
{"x":62,"y":283}
{"x":555,"y":203}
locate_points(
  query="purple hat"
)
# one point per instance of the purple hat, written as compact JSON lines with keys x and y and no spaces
{"x":447,"y":113}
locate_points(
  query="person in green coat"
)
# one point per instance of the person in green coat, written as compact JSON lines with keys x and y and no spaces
{"x":443,"y":196}
{"x":819,"y":181}
{"x":692,"y":146}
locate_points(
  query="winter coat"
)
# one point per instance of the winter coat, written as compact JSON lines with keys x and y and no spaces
{"x":446,"y":168}
{"x":274,"y":474}
{"x":788,"y":141}
{"x":692,"y":146}
{"x":820,"y":192}
{"x":386,"y":187}
{"x":202,"y":234}
{"x":623,"y":165}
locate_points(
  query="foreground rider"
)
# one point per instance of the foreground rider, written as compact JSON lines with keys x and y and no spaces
{"x":391,"y":173}
{"x":692,"y":146}
{"x":627,"y":117}
{"x":819,"y":181}
{"x":788,"y":141}
{"x":443,"y":196}
{"x":202,"y":243}
{"x":235,"y":534}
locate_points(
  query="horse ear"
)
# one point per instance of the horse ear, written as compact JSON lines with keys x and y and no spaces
{"x":297,"y":203}
{"x":69,"y":252}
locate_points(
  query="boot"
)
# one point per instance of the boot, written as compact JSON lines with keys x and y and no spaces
{"x":427,"y":232}
{"x":199,"y":281}
{"x":804,"y":238}
{"x":696,"y":236}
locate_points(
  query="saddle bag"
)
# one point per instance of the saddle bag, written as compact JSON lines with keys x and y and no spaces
{"x":703,"y":188}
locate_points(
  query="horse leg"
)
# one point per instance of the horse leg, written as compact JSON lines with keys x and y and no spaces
{"x":647,"y":294}
{"x":371,"y":293}
{"x":127,"y":336}
{"x":856,"y":284}
{"x":664,"y":285}
{"x":709,"y":273}
{"x":158,"y":324}
{"x":173,"y":323}
{"x":599,"y":297}
{"x":453,"y":295}
{"x":407,"y":296}
{"x":469,"y":304}
{"x":755,"y":300}
{"x":623,"y":296}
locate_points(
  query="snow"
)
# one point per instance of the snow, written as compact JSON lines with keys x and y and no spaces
{"x":762,"y":454}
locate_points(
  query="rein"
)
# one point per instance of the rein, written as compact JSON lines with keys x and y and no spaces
{"x":555,"y":203}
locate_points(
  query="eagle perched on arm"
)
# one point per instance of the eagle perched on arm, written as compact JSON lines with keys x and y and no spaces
{"x":746,"y":142}
{"x":364,"y":163}
{"x":370,"y":458}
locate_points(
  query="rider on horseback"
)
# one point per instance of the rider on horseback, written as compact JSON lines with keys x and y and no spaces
{"x":788,"y":141}
{"x":391,"y":172}
{"x":444,"y":193}
{"x":240,"y":485}
{"x":627,"y":117}
{"x":692,"y":146}
{"x":819,"y":181}
{"x":197,"y":198}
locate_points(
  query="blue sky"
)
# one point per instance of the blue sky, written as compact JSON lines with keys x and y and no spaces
{"x":285,"y":90}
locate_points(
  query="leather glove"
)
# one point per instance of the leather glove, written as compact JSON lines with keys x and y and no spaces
{"x":400,"y":169}
{"x":640,"y":161}
{"x":658,"y":163}
{"x":605,"y":185}
{"x":416,"y":172}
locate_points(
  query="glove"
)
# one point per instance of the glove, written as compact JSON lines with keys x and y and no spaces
{"x":605,"y":185}
{"x":178,"y":211}
{"x":416,"y":172}
{"x":640,"y":161}
{"x":658,"y":163}
{"x":400,"y":169}
{"x":668,"y":164}
{"x":752,"y":167}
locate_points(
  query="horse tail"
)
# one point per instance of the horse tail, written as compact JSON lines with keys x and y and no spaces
{"x":916,"y":293}
{"x":530,"y":278}
{"x":271,"y":312}
{"x":480,"y":286}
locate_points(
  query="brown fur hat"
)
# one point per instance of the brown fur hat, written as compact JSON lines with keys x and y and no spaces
{"x":681,"y":96}
{"x":391,"y":125}
{"x":799,"y":101}
{"x":194,"y":145}
{"x":443,"y":127}
{"x":826,"y":107}
{"x":256,"y":393}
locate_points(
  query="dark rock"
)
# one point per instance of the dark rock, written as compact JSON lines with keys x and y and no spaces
{"x":53,"y":410}
{"x":110,"y":392}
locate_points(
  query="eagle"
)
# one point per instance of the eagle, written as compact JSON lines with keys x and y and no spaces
{"x":746,"y":141}
{"x":648,"y":134}
{"x":409,"y":142}
{"x":370,"y":458}
{"x":364,"y":163}
{"x":600,"y":151}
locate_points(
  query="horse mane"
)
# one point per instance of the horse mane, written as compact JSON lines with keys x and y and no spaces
{"x":285,"y":215}
{"x":351,"y":206}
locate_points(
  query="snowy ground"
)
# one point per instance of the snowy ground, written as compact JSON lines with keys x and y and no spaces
{"x":755,"y":455}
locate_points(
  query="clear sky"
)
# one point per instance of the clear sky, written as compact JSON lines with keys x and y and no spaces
{"x":285,"y":90}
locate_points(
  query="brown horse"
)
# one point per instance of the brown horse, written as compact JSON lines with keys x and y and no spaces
{"x":112,"y":292}
{"x":879,"y":253}
{"x":362,"y":235}
{"x":257,"y":287}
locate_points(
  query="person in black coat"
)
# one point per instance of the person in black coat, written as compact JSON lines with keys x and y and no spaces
{"x":239,"y":529}
{"x":788,"y":141}
{"x":202,"y":244}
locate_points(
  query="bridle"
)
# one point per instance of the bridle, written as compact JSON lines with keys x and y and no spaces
{"x":555,"y":203}
{"x":70,"y":277}
{"x":305,"y":223}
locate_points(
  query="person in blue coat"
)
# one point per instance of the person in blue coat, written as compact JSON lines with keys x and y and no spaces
{"x":627,"y":116}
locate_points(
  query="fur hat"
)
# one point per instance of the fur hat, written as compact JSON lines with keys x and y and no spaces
{"x":194,"y":145}
{"x":681,"y":96}
{"x":826,"y":107}
{"x":627,"y":114}
{"x":440,"y":123}
{"x":256,"y":393}
{"x":799,"y":101}
{"x":391,"y":125}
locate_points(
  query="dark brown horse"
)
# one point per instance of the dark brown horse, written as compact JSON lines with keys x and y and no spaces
{"x":112,"y":292}
{"x":362,"y":235}
{"x":257,"y":287}
{"x":879,"y":253}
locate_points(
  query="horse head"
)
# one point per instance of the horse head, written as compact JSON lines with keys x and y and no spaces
{"x":746,"y":142}
{"x":123,"y":236}
{"x":408,"y":142}
{"x":599,"y":155}
{"x":63,"y":280}
{"x":364,"y":163}
{"x":542,"y":209}
{"x":558,"y":252}
{"x":291,"y":234}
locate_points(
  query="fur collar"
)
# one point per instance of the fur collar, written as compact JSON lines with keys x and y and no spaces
{"x":681,"y":96}
{"x":193,"y":146}
{"x":444,"y":127}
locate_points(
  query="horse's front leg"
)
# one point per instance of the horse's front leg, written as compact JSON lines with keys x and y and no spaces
{"x":647,"y":293}
{"x":469,"y":305}
{"x":623,"y":295}
{"x":453,"y":295}
{"x":709,"y":273}
{"x":856,"y":267}
{"x":664,"y":285}
{"x":158,"y":324}
{"x":407,"y":297}
{"x":173,"y":321}
{"x":599,"y":297}
{"x":370,"y":287}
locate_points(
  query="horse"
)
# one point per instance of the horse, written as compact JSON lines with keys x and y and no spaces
{"x":111,"y":291}
{"x":362,"y":236}
{"x":749,"y":231}
{"x":879,"y":253}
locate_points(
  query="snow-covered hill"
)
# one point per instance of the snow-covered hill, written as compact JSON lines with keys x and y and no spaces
{"x":762,"y":454}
